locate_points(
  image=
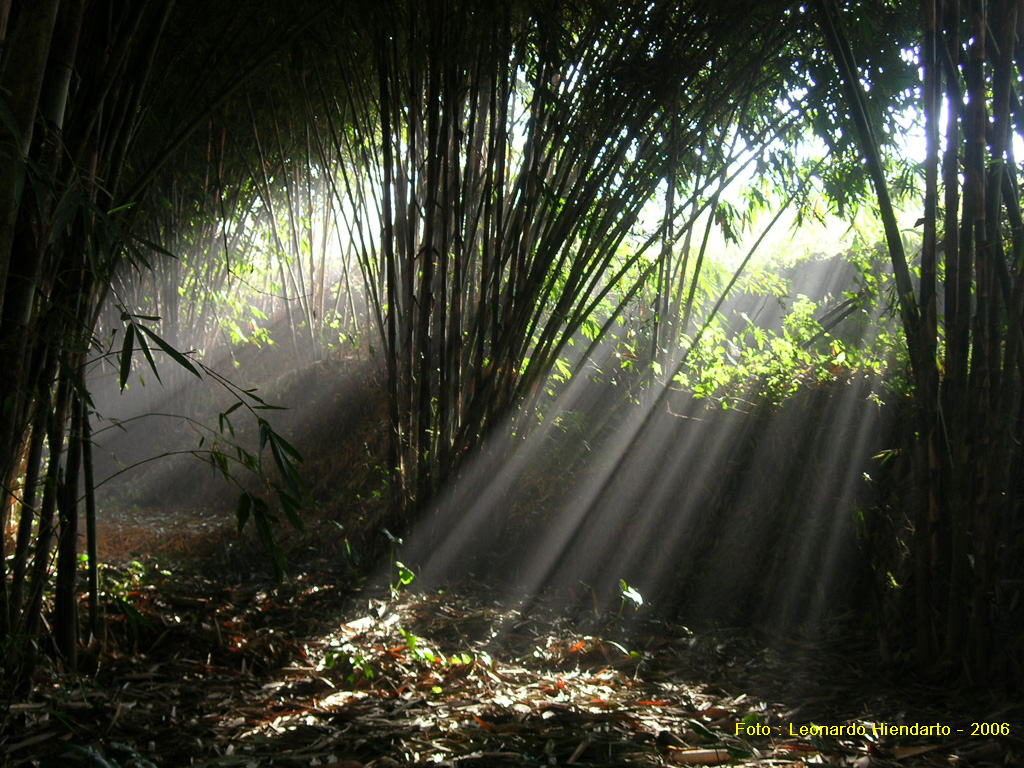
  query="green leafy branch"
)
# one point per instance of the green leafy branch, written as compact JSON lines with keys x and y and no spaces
{"x":291,"y":490}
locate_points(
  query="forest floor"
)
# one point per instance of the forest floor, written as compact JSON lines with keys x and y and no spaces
{"x":206,"y":669}
{"x":200,"y":659}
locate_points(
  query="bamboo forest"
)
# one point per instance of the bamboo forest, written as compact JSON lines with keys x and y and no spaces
{"x":511,"y":383}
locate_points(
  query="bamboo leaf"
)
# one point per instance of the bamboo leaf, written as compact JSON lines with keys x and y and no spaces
{"x":286,"y":447}
{"x":144,"y":346}
{"x":243,"y":510}
{"x":262,"y":518}
{"x":265,"y":431}
{"x":174,"y":354}
{"x":252,"y":394}
{"x":155,"y":246}
{"x":703,"y":731}
{"x":68,"y":205}
{"x":126,"y":355}
{"x":120,"y":209}
{"x":292,"y":507}
{"x":285,"y":464}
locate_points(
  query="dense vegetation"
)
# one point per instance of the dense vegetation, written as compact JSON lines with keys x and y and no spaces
{"x":496,"y":199}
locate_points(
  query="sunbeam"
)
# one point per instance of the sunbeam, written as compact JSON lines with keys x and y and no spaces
{"x":721,"y":515}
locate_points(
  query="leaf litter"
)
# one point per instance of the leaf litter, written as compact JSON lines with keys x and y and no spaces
{"x":313,"y":674}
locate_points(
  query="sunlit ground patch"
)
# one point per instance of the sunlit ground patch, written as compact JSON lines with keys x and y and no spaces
{"x":308,"y":675}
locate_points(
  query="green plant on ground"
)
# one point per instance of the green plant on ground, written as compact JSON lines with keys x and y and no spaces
{"x":400,"y":576}
{"x":349,"y":661}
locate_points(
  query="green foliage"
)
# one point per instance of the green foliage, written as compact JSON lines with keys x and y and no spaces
{"x":123,"y":587}
{"x":350,"y":661}
{"x":400,"y":575}
{"x":137,"y":333}
{"x":881,"y":37}
{"x":823,"y":342}
{"x":359,"y":666}
{"x":629,"y":595}
{"x":288,"y":486}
